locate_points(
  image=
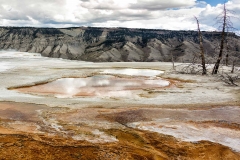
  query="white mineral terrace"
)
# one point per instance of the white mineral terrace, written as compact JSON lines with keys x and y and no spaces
{"x":194,"y":126}
{"x":79,"y":86}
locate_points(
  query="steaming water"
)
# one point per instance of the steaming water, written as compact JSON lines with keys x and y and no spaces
{"x":134,"y":72}
{"x":100,"y":86}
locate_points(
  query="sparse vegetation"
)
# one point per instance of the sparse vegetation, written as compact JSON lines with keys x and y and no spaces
{"x":229,"y":79}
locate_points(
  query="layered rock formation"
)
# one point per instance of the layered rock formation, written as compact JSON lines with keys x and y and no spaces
{"x":117,"y":44}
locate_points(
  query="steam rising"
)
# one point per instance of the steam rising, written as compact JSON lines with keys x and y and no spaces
{"x":134,"y":72}
{"x":100,"y":86}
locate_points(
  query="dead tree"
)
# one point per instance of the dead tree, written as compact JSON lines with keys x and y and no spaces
{"x":224,"y":19}
{"x":215,"y":69}
{"x":226,"y":60}
{"x":172,"y":59}
{"x":233,"y":66}
{"x":204,"y":71}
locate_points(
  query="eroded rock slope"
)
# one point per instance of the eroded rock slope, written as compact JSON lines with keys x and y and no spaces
{"x":116,"y":44}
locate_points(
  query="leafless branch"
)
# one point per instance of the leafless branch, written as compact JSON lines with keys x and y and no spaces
{"x":229,"y":79}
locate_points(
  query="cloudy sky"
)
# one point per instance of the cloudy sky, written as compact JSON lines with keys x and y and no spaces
{"x":154,"y":14}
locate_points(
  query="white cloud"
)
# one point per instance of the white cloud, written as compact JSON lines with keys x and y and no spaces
{"x":107,"y":4}
{"x":160,"y":5}
{"x":209,"y":15}
{"x":171,"y":14}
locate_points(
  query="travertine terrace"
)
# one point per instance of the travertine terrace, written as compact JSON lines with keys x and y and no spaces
{"x":62,"y":109}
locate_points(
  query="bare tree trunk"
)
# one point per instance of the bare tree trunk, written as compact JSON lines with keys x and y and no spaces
{"x":215,"y":69}
{"x":204,"y":71}
{"x":172,"y":60}
{"x":233,"y":66}
{"x":227,"y":60}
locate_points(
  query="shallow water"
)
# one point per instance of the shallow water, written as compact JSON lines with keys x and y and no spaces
{"x":99,"y":85}
{"x":134,"y":72}
{"x":220,"y":125}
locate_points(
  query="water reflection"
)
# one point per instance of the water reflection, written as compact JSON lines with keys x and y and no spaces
{"x":99,"y":85}
{"x":134,"y":72}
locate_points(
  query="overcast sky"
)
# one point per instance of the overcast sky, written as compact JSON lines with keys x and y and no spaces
{"x":154,"y":14}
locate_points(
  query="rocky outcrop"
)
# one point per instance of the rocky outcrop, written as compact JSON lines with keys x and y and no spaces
{"x":116,"y":44}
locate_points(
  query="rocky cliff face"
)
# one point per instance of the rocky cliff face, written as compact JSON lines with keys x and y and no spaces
{"x":116,"y":44}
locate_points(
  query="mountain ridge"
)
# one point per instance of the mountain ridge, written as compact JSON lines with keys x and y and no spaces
{"x":117,"y":44}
